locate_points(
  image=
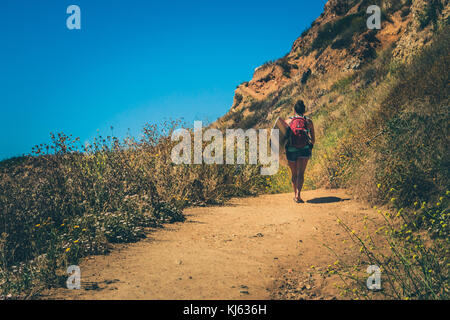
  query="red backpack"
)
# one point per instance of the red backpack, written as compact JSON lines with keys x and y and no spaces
{"x":299,"y":132}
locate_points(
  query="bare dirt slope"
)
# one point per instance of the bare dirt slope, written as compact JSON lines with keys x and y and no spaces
{"x":253,"y":248}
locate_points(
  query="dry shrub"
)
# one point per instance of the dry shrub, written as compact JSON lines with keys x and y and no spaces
{"x":66,"y":201}
{"x":411,"y":250}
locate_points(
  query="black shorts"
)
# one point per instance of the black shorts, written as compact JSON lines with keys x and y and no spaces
{"x":299,"y":154}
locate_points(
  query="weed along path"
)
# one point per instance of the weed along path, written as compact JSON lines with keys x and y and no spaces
{"x":251,"y":248}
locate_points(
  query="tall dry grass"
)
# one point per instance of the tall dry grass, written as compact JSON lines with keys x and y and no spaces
{"x":65,"y":201}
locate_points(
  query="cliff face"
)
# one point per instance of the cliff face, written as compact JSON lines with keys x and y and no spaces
{"x":336,"y":45}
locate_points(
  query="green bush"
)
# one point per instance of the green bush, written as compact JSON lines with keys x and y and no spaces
{"x":280,"y":182}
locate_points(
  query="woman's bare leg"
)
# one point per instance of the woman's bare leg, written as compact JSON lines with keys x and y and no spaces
{"x":301,"y":167}
{"x":294,"y":176}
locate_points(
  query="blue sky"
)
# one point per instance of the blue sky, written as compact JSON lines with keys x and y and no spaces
{"x":132,"y":62}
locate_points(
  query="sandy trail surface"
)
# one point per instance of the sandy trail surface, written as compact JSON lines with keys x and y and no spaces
{"x":251,"y":248}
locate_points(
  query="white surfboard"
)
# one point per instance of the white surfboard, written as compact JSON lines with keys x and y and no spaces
{"x":282,"y":127}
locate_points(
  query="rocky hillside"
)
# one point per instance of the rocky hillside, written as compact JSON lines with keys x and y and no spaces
{"x":337,"y":44}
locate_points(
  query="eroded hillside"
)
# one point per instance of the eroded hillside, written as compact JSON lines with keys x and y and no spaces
{"x":337,"y":44}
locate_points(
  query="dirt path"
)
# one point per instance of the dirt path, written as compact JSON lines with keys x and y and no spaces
{"x":252,"y":248}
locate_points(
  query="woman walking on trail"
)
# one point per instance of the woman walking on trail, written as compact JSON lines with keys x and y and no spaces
{"x":299,"y":147}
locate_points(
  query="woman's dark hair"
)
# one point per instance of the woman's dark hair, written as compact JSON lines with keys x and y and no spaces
{"x":299,"y":107}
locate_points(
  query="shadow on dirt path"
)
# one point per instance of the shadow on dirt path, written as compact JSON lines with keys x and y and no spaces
{"x":326,"y":200}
